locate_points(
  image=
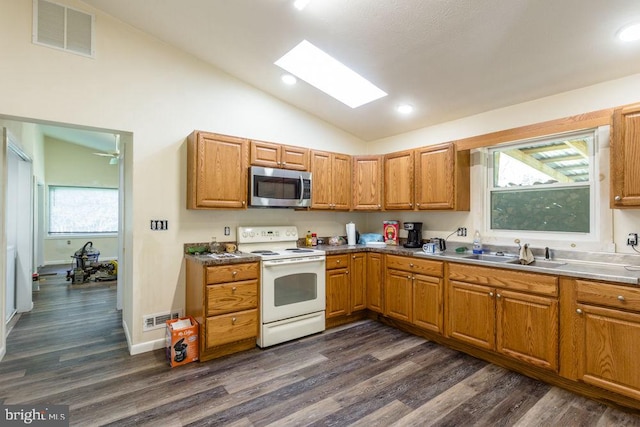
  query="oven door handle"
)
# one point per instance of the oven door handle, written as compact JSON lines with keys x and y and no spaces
{"x":276,"y":263}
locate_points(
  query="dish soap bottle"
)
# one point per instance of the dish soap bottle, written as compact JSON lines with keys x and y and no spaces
{"x":308,"y":239}
{"x":477,"y":243}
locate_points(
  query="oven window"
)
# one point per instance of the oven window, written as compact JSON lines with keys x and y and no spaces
{"x":277,"y":188}
{"x":295,"y":288}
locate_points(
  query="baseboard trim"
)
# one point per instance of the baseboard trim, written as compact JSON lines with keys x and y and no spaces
{"x":142,"y":347}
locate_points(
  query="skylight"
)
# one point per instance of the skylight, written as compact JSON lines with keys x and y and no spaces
{"x":322,"y":71}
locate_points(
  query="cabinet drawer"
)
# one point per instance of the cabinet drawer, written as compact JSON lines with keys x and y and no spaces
{"x":508,"y":279}
{"x":231,"y":327}
{"x":337,"y":261}
{"x":623,"y":297}
{"x":421,"y":266}
{"x":232,"y":273}
{"x":230,"y":297}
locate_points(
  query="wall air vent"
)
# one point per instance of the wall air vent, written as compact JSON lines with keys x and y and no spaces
{"x":63,"y":28}
{"x":158,"y":321}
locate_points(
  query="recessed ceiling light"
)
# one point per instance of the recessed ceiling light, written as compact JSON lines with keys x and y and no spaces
{"x":322,"y":71}
{"x":630,"y":33}
{"x":289,"y":79}
{"x":404,"y":109}
{"x":300,"y":4}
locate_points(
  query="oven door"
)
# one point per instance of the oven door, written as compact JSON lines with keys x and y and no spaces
{"x":292,"y":287}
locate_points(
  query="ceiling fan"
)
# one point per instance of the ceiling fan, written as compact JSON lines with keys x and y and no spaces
{"x":114,"y":155}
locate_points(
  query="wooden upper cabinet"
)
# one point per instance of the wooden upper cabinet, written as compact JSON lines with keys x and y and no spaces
{"x":625,"y":158}
{"x":367,"y":183}
{"x":442,"y":178}
{"x":398,"y":180}
{"x":216,"y":171}
{"x":331,"y":187}
{"x":270,"y":155}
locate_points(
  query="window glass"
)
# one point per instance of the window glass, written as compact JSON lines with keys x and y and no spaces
{"x":83,"y":210}
{"x":543,"y":185}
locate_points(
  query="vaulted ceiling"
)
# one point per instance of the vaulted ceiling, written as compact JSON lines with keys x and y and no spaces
{"x":448,"y":58}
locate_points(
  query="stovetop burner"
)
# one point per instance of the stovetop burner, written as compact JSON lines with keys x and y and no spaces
{"x":264,"y":252}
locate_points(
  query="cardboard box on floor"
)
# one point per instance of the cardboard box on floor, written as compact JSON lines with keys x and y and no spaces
{"x":182,"y":341}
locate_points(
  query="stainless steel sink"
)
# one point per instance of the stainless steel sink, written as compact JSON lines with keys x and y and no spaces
{"x":541,"y":263}
{"x":491,"y":258}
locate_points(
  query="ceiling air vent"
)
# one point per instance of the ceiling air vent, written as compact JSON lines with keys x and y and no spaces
{"x":63,"y":28}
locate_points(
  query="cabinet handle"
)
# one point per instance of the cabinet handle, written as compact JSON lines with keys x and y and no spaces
{"x":410,"y":205}
{"x":338,"y":261}
{"x":379,"y":206}
{"x":418,"y":204}
{"x":233,"y":320}
{"x":233,"y":273}
{"x":233,"y":290}
{"x":579,"y":311}
{"x":347,"y":271}
{"x":410,"y":264}
{"x":498,"y":296}
{"x":620,"y":298}
{"x":243,"y":203}
{"x":353,"y":257}
{"x":617,"y":198}
{"x":409,"y":277}
{"x":491,"y":294}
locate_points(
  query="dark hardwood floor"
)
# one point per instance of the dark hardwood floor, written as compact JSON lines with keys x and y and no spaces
{"x":71,"y":350}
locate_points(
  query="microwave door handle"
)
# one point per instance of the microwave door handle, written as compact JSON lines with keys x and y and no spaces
{"x":301,"y":188}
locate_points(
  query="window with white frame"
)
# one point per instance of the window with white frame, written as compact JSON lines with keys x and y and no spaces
{"x":543,"y":185}
{"x":83,"y":210}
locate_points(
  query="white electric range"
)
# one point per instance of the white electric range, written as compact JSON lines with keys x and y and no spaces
{"x":292,"y":283}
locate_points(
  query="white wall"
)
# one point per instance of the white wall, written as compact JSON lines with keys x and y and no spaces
{"x":155,"y":96}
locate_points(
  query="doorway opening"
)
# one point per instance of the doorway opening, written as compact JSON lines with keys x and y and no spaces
{"x":69,"y":156}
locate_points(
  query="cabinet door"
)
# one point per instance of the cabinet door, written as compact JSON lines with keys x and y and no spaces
{"x":471,"y":314}
{"x":216,"y":171}
{"x":322,"y":178}
{"x":527,"y":328}
{"x":398,"y":180}
{"x":608,"y":345}
{"x":341,"y":182}
{"x":266,"y":154}
{"x":435,"y":169}
{"x":625,"y":158}
{"x":367,"y":183}
{"x":295,"y":158}
{"x":375,"y":279}
{"x":358,"y":279}
{"x":427,"y":303}
{"x":337,"y":283}
{"x":398,"y":294}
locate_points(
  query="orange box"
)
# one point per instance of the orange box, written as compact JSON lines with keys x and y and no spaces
{"x":391,"y":229}
{"x":182,"y":341}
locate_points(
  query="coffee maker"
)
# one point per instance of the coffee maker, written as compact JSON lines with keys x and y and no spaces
{"x":414,"y":238}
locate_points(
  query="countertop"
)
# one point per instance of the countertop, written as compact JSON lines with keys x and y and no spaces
{"x":615,"y":269}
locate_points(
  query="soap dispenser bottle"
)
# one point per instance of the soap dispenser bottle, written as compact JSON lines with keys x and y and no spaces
{"x":477,"y":243}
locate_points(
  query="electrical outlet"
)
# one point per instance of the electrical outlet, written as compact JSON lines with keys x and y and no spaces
{"x":632,"y":239}
{"x":461,"y":231}
{"x":227,"y":231}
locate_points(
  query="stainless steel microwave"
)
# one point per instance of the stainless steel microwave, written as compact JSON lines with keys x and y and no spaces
{"x":279,"y":188}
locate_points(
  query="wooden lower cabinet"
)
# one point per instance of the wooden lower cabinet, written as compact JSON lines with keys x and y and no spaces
{"x":413,"y":291}
{"x":605,"y":334}
{"x":224,"y":301}
{"x":346,"y":284}
{"x":398,"y":286}
{"x":472,"y":314}
{"x":374,"y":281}
{"x":489,"y":310}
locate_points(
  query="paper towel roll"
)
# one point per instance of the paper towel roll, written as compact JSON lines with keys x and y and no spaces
{"x":351,"y":234}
